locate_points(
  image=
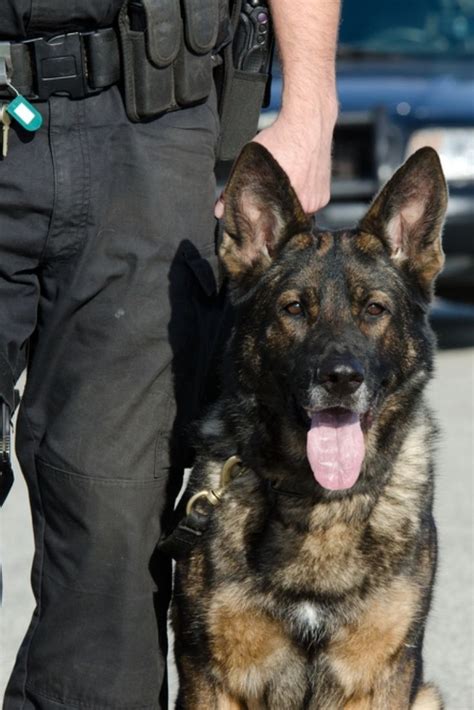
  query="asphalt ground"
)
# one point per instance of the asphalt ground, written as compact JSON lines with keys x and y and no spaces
{"x":449,"y":653}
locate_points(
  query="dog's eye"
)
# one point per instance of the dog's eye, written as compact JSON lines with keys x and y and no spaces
{"x":294,"y":309}
{"x":375,"y":309}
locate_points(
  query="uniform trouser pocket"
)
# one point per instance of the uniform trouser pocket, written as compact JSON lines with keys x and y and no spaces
{"x":97,"y":626}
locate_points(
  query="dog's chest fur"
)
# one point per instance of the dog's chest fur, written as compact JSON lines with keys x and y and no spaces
{"x":311,"y":566}
{"x":297,"y":586}
{"x":299,"y":577}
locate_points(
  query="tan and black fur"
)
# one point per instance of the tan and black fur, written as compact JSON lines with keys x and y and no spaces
{"x":297,"y":596}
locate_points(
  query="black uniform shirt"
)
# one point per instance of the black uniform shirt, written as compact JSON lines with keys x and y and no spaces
{"x":32,"y":18}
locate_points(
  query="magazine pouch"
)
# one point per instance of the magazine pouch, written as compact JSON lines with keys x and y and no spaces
{"x":193,"y":68}
{"x":166,"y":54}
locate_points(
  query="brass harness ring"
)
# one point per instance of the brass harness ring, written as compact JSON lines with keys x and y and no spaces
{"x":213,"y":496}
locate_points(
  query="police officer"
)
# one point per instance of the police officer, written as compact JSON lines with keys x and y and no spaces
{"x":108,"y":296}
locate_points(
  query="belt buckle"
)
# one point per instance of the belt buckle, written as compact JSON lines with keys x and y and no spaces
{"x":60,"y":66}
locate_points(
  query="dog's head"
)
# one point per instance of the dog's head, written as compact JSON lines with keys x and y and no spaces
{"x":332,"y":336}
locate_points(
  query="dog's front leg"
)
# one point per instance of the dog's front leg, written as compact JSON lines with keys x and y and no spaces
{"x":391,"y":687}
{"x":395,"y":696}
{"x":198,"y":692}
{"x":209,"y":700}
{"x":225,"y":702}
{"x":372,"y":659}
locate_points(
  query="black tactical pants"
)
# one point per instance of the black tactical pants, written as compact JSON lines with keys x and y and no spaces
{"x":106,"y":231}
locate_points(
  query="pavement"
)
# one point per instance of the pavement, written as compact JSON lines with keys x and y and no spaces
{"x":449,"y":653}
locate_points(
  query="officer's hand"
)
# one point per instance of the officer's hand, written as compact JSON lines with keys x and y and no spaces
{"x":303,"y":149}
{"x":304,"y":153}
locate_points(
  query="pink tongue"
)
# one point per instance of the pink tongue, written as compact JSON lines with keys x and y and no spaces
{"x":335,"y":448}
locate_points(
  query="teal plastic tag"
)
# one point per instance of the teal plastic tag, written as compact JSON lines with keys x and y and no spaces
{"x":25,"y":113}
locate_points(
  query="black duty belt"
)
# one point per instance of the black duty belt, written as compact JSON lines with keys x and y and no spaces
{"x":78,"y":63}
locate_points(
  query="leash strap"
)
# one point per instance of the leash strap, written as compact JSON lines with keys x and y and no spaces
{"x":188,"y":532}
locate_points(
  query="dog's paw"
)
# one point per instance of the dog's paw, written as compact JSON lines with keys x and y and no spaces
{"x":428,"y":698}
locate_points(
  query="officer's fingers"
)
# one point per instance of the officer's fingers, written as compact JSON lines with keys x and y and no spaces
{"x":219,"y":208}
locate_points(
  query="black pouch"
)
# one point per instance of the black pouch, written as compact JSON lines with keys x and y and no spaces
{"x":150,"y":35}
{"x":167,"y":54}
{"x":193,"y":67}
{"x":241,"y":93}
{"x":240,"y":107}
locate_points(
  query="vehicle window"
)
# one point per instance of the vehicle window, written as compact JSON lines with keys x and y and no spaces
{"x":428,"y":27}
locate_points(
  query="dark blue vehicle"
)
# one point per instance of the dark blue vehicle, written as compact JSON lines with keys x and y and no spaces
{"x":405,"y":79}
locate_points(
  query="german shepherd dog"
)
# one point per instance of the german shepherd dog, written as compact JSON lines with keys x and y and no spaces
{"x":310,"y":587}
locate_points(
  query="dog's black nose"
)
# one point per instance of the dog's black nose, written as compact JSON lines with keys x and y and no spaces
{"x":340,"y":374}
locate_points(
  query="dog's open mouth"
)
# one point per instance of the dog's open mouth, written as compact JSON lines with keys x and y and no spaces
{"x":335,"y":447}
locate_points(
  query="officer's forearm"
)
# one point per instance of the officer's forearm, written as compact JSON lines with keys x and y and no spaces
{"x":306,"y":32}
{"x":300,"y":139}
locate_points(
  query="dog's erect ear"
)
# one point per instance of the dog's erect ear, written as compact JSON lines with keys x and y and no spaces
{"x":261,"y":212}
{"x":408,"y":214}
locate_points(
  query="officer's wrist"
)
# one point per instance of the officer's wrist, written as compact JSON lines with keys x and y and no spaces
{"x":310,"y":115}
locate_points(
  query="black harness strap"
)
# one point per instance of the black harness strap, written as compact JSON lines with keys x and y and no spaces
{"x":201,"y":506}
{"x":189,"y":531}
{"x":199,"y":509}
